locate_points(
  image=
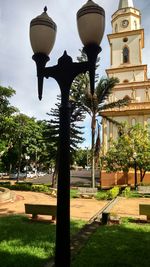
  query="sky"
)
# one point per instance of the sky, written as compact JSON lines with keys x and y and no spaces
{"x":17,"y":69}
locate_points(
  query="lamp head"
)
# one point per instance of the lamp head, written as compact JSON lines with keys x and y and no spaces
{"x":42,"y":33}
{"x":91,"y":23}
{"x":42,"y":37}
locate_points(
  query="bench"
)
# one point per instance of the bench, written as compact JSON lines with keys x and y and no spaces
{"x":40,"y":209}
{"x":144,"y":209}
{"x":144,"y":189}
{"x":87,"y":192}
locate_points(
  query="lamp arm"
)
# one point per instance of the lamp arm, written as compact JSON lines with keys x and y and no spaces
{"x":65,"y":71}
{"x":92,"y":51}
{"x":40,"y":60}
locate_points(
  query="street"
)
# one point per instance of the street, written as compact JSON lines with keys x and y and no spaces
{"x":78,"y":178}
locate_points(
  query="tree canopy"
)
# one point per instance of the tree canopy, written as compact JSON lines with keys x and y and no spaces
{"x":131,"y":140}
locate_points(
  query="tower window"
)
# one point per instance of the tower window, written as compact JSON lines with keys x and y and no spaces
{"x":125,"y":39}
{"x":125,"y":55}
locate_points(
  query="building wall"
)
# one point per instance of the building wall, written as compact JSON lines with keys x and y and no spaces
{"x":130,"y":14}
{"x":133,"y":43}
{"x":133,"y":83}
{"x":109,"y":180}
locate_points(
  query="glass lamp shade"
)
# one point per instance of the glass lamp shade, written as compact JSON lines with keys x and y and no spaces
{"x":91,"y":23}
{"x":42,"y":33}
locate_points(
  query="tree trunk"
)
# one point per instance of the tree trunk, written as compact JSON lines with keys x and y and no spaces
{"x":93,"y":126}
{"x":19,"y":165}
{"x":142,"y":175}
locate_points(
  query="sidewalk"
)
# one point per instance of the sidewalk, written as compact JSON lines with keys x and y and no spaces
{"x":80,"y":208}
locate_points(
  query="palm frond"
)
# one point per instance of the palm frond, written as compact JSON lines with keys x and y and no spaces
{"x":104,"y":88}
{"x":116,"y":104}
{"x":118,"y":124}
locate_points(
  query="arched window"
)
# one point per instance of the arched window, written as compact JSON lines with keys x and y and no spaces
{"x":125,"y":54}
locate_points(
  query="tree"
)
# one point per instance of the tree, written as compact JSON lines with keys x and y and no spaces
{"x":94,"y":105}
{"x":6,"y":110}
{"x":52,"y":131}
{"x":25,"y":135}
{"x":120,"y":156}
{"x":81,"y":157}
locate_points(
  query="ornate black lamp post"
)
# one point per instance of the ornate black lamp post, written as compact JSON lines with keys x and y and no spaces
{"x":135,"y":170}
{"x":91,"y":24}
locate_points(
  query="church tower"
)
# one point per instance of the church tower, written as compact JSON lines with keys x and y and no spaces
{"x":126,"y":43}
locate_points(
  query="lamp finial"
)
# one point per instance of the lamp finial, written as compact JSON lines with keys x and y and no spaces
{"x":45,"y":9}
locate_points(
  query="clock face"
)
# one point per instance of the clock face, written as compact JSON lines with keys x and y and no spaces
{"x":124,"y":23}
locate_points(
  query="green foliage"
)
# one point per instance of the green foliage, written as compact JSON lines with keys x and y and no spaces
{"x":73,"y":193}
{"x":21,"y":187}
{"x":27,"y":186}
{"x":101,"y":195}
{"x":120,"y":156}
{"x":81,"y":157}
{"x":126,"y":192}
{"x":5,"y":108}
{"x":5,"y":184}
{"x":114,"y":192}
{"x":94,"y":105}
{"x":108,"y":194}
{"x":40,"y":188}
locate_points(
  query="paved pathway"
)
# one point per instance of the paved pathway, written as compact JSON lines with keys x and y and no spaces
{"x":129,"y":207}
{"x":80,"y":208}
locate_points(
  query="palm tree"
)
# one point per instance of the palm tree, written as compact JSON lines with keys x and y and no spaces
{"x":95,"y":104}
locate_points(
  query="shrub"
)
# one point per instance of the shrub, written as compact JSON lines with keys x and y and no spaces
{"x":101,"y":195}
{"x":73,"y":193}
{"x":112,"y":193}
{"x":126,"y":192}
{"x":40,"y":188}
{"x":21,"y":187}
{"x":5,"y":184}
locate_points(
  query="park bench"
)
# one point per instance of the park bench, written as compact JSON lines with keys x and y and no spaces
{"x":41,"y":209}
{"x":145,"y":190}
{"x":86,"y":192}
{"x":144,"y":209}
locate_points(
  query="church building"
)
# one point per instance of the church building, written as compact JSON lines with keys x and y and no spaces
{"x":126,"y":43}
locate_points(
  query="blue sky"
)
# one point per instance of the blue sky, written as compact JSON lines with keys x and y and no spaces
{"x":17,"y":68}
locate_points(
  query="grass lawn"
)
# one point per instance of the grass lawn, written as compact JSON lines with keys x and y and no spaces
{"x":125,"y":245}
{"x":27,"y":244}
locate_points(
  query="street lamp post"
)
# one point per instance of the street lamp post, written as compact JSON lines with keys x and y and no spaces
{"x":91,"y":23}
{"x":135,"y":170}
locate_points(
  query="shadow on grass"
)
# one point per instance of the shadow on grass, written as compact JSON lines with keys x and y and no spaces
{"x":24,"y":243}
{"x":125,"y":245}
{"x":27,"y":244}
